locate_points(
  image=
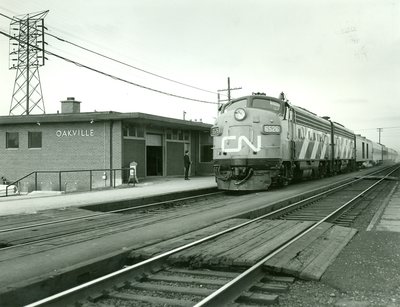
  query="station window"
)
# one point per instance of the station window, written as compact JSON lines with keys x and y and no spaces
{"x":186,"y":135}
{"x":205,"y":147}
{"x":140,"y":132}
{"x":34,"y":139}
{"x":174,"y":134}
{"x":133,"y":131}
{"x":177,"y":134}
{"x":12,"y":140}
{"x":180,"y":135}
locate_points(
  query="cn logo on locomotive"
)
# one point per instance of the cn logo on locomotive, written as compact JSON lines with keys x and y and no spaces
{"x":240,"y":140}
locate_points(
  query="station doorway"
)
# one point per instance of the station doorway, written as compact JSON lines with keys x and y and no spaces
{"x":154,"y":155}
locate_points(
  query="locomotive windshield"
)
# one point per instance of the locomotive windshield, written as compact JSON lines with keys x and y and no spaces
{"x":254,"y":102}
{"x":235,"y":104}
{"x":266,"y":104}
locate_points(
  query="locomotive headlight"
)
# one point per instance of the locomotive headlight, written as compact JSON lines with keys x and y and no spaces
{"x":271,"y":129}
{"x":240,"y":114}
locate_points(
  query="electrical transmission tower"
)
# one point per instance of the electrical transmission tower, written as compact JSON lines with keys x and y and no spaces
{"x":26,"y":56}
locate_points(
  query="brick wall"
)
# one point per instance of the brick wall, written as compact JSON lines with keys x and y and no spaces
{"x":65,"y":146}
{"x":84,"y":145}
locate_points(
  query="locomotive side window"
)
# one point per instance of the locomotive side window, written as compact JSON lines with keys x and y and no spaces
{"x":266,"y":104}
{"x":300,"y":133}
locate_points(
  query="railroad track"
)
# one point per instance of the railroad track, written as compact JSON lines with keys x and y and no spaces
{"x":153,"y":281}
{"x":112,"y":221}
{"x":107,"y":222}
{"x":190,"y":286}
{"x":319,"y":205}
{"x":317,"y":209}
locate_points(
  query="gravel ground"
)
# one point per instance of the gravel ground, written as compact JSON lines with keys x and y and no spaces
{"x":366,"y":273}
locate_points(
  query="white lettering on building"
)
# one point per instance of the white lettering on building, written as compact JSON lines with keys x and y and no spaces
{"x":241,"y":139}
{"x":75,"y":132}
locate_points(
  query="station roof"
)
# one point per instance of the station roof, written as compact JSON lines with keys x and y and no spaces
{"x":136,"y":117}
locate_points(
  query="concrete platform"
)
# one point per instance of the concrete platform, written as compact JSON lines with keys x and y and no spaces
{"x":37,"y":201}
{"x":387,"y":218}
{"x":390,"y":219}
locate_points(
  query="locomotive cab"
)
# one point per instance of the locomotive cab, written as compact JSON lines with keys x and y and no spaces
{"x":247,"y":136}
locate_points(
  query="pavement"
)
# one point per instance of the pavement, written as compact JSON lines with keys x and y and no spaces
{"x":390,"y":219}
{"x":43,"y":200}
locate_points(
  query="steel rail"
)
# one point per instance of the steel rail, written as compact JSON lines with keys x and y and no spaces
{"x":229,"y":291}
{"x":81,"y":231}
{"x":218,"y":297}
{"x":103,"y":213}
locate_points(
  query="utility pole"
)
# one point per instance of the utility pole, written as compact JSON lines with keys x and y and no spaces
{"x":26,"y":56}
{"x":229,"y":89}
{"x":379,"y":132}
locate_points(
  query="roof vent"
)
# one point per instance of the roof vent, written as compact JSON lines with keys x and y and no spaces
{"x":70,"y":105}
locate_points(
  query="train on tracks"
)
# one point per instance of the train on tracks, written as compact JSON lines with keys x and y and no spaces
{"x":259,"y":141}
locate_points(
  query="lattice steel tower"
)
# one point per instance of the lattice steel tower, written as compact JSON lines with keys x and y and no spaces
{"x":26,"y":56}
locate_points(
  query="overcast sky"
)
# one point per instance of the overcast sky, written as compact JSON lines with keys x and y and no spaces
{"x":335,"y":58}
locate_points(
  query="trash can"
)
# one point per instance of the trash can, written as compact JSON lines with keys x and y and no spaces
{"x":132,"y":173}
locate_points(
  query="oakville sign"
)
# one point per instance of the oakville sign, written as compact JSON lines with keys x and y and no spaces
{"x":75,"y":132}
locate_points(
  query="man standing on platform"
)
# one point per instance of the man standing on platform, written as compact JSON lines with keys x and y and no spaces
{"x":187,"y":162}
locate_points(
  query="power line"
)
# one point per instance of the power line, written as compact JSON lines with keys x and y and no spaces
{"x":112,"y":76}
{"x":126,"y":81}
{"x":7,"y":16}
{"x":120,"y":62}
{"x":129,"y":65}
{"x":397,"y":127}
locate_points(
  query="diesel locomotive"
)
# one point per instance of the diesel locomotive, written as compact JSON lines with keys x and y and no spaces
{"x":260,"y":140}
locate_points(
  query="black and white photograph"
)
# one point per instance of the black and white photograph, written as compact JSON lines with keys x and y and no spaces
{"x":200,"y":153}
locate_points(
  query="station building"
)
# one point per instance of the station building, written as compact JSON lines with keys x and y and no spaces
{"x":104,"y":142}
